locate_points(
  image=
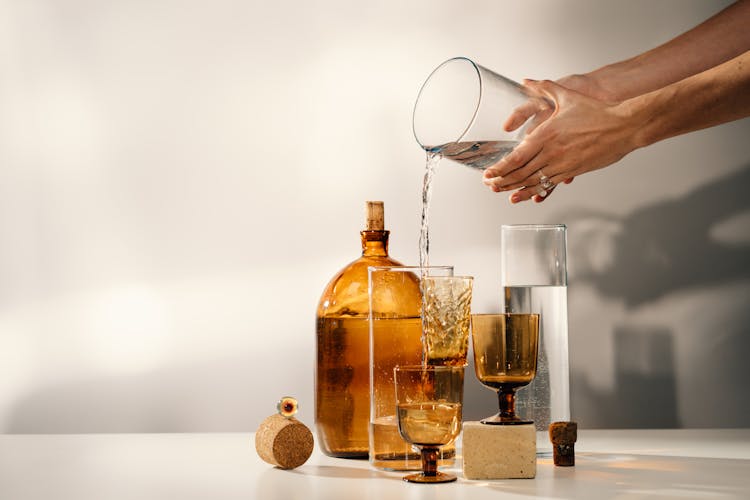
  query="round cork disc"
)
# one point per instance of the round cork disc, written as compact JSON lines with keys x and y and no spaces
{"x":284,"y":442}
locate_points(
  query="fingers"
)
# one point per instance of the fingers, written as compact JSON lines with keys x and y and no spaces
{"x":524,"y":176}
{"x":504,"y":173}
{"x":515,"y":170}
{"x":533,"y":180}
{"x":518,"y":117}
{"x":542,"y":160}
{"x":538,"y":119}
{"x":521,"y":155}
{"x":536,"y":192}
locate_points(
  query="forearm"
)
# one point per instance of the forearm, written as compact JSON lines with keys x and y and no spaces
{"x":718,"y":95}
{"x":716,"y":40}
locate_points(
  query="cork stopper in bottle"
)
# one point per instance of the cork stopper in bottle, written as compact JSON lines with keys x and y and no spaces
{"x":375,"y":216}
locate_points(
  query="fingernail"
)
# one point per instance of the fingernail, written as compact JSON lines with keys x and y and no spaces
{"x":515,"y":198}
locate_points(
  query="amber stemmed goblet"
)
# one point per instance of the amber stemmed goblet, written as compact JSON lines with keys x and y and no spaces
{"x":429,"y":407}
{"x":505,"y":358}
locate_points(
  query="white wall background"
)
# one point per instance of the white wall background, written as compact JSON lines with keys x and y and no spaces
{"x":180,"y":178}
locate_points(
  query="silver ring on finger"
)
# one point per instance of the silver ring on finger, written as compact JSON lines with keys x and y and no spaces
{"x":541,"y":191}
{"x":545,"y":181}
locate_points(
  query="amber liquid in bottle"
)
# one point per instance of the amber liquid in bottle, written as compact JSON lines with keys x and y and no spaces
{"x":342,"y":375}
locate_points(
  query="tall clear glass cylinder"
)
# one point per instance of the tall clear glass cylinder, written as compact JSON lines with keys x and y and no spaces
{"x":534,"y":280}
{"x":395,"y":294}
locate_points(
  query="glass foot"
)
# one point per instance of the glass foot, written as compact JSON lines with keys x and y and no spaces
{"x":439,"y":477}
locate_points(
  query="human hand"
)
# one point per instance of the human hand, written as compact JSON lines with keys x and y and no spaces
{"x":540,"y":109}
{"x":581,"y":135}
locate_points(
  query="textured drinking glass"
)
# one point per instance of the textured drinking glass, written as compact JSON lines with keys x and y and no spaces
{"x":429,"y":406}
{"x":534,"y":279}
{"x":505,"y":357}
{"x":395,"y":318}
{"x":462,"y":109}
{"x":446,"y":319}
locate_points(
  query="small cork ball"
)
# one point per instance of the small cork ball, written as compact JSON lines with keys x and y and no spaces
{"x":563,"y":436}
{"x":283,"y":441}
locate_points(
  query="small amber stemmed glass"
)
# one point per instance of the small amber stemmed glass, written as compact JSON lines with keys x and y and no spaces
{"x":429,"y":407}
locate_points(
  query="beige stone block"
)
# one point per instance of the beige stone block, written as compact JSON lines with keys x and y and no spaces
{"x":499,"y":451}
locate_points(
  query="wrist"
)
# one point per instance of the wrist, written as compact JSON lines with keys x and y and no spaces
{"x":619,"y":81}
{"x":601,"y":86}
{"x":640,"y":121}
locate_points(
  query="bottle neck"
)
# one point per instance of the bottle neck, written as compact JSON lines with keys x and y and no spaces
{"x":374,"y":243}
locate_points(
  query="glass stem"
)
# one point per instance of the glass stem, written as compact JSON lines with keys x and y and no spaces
{"x":507,"y":402}
{"x":429,"y":460}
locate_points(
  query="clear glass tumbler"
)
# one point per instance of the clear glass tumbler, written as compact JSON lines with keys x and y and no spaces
{"x":395,"y":296}
{"x":463,"y":113}
{"x":535,"y":281}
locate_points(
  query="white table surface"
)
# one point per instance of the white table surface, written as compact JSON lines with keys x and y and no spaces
{"x":623,"y":464}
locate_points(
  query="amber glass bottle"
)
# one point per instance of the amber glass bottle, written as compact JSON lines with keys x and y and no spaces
{"x":342,"y":375}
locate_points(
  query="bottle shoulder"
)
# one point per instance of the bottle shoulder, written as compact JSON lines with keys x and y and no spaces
{"x":346,"y":294}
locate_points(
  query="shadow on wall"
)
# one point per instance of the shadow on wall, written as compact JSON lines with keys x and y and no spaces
{"x":646,"y":388}
{"x":479,"y":401}
{"x":668,"y":247}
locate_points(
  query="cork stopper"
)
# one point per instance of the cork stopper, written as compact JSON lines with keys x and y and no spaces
{"x":375,"y":216}
{"x":563,"y":436}
{"x":283,"y":441}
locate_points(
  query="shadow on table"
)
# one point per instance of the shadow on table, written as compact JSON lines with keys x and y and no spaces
{"x":300,"y":482}
{"x":601,"y":476}
{"x":337,"y":471}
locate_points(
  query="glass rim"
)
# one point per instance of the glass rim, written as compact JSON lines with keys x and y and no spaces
{"x":533,"y":226}
{"x":476,"y":106}
{"x":404,"y":268}
{"x":485,"y":314}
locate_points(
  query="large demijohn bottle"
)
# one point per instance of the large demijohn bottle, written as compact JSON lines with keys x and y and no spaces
{"x":342,"y":375}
